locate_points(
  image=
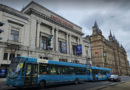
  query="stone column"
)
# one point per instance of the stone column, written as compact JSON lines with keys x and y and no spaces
{"x":15,"y":55}
{"x":56,"y":43}
{"x":40,"y":41}
{"x":53,"y":37}
{"x":67,"y":43}
{"x":78,"y":40}
{"x":38,"y":31}
{"x":8,"y":56}
{"x":70,"y":43}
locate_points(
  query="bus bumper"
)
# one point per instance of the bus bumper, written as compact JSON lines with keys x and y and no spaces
{"x":14,"y":84}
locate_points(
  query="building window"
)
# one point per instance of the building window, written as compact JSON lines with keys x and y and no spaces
{"x":5,"y":56}
{"x":87,"y":52}
{"x":44,"y":43}
{"x":76,"y":61}
{"x":63,"y":60}
{"x":105,"y":60}
{"x":74,"y":50}
{"x":14,"y":35}
{"x":12,"y":55}
{"x":62,"y":47}
{"x":18,"y":54}
{"x":104,"y":54}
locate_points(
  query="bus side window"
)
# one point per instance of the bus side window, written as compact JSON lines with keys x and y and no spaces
{"x":43,"y":69}
{"x":107,"y":71}
{"x":99,"y":72}
{"x":59,"y":70}
{"x":96,"y":71}
{"x":83,"y":71}
{"x":53,"y":69}
{"x":65,"y":70}
{"x":71,"y":70}
{"x":104,"y":72}
{"x":77,"y":70}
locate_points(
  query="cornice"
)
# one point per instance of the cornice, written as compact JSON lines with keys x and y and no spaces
{"x":41,"y":15}
{"x":12,"y":11}
{"x":34,"y":3}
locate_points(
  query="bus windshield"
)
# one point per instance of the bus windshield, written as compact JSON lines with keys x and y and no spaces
{"x":14,"y":69}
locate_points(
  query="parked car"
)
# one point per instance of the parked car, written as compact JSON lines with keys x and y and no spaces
{"x":114,"y":78}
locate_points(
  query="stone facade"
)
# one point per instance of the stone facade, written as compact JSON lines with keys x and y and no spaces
{"x":108,"y":53}
{"x":25,"y":34}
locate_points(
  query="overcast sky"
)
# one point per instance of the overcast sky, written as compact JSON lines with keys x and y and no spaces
{"x":109,"y":14}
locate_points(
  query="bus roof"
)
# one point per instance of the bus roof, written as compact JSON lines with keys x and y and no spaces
{"x":36,"y":60}
{"x":93,"y":67}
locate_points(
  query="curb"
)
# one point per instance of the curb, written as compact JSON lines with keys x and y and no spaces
{"x":100,"y":87}
{"x":123,"y":81}
{"x":113,"y":84}
{"x":97,"y":88}
{"x":105,"y":86}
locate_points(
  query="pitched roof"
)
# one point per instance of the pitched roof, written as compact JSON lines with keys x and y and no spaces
{"x":97,"y":28}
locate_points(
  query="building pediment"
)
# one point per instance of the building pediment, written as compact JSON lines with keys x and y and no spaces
{"x":42,"y":12}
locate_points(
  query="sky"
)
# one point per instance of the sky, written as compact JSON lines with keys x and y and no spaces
{"x":111,"y":15}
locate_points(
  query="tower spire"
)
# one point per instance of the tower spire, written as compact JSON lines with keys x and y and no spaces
{"x":96,"y":26}
{"x":110,"y":33}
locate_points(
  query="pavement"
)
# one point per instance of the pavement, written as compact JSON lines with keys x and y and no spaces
{"x":123,"y":86}
{"x":114,"y":86}
{"x":2,"y":79}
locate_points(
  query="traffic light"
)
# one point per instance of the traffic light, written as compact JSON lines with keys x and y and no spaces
{"x":1,"y":24}
{"x":50,"y":41}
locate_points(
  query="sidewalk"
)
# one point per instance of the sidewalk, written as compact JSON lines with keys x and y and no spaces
{"x":2,"y":79}
{"x":121,"y":86}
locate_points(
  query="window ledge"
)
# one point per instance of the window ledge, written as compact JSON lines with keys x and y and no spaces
{"x":13,"y":42}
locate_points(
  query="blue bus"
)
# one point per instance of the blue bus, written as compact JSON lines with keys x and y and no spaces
{"x":33,"y":72}
{"x":98,"y":73}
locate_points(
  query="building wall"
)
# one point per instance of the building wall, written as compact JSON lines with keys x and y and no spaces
{"x":115,"y":58}
{"x":32,"y":28}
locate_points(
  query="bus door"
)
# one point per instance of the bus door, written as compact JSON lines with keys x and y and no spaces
{"x":93,"y":74}
{"x":31,"y":74}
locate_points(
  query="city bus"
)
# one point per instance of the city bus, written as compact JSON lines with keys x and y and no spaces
{"x":33,"y":72}
{"x":98,"y":73}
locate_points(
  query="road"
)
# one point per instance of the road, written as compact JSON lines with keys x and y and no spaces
{"x":81,"y":86}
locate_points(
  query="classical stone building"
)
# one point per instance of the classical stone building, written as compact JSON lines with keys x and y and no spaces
{"x":108,"y":53}
{"x":26,"y":32}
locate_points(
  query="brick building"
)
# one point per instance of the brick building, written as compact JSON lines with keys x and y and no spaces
{"x":108,"y":53}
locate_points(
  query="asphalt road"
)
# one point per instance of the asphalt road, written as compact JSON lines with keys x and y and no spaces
{"x":81,"y":86}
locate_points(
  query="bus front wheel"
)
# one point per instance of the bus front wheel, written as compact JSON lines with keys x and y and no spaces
{"x":76,"y":81}
{"x":42,"y":84}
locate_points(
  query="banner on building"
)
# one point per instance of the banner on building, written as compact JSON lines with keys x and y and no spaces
{"x":79,"y":50}
{"x":2,"y":72}
{"x":63,"y":47}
